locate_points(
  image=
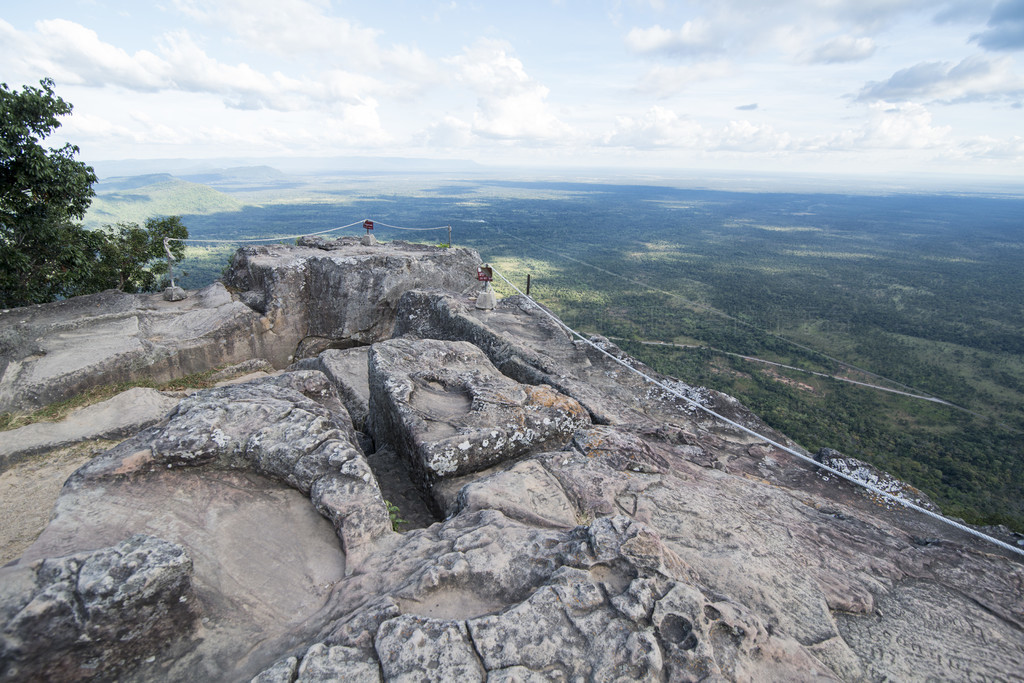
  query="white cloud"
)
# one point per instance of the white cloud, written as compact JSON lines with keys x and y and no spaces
{"x":744,"y":136}
{"x":190,"y":69}
{"x":692,"y":38}
{"x":287,"y":27}
{"x":894,"y":126}
{"x":148,"y":132}
{"x":74,"y":54}
{"x":296,"y":29}
{"x":972,"y":79}
{"x":888,"y":127}
{"x":662,"y":128}
{"x":448,"y":133}
{"x":843,"y":49}
{"x":510,"y":104}
{"x":986,"y":147}
{"x":140,"y":129}
{"x":662,"y":80}
{"x":659,"y":127}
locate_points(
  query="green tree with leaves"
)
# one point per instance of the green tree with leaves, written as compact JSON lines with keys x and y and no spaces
{"x":132,"y":258}
{"x":44,"y":254}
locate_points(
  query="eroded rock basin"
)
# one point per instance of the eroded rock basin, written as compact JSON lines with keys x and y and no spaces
{"x":248,"y":537}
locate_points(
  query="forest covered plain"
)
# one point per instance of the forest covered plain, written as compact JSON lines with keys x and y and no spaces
{"x":918,"y":292}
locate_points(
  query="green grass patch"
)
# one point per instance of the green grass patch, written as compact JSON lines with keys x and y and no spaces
{"x":61,"y":409}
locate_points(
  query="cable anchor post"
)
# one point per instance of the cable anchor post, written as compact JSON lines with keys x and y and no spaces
{"x":368,"y":240}
{"x":486,"y":299}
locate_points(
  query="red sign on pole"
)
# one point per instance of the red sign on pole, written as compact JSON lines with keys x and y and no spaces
{"x":484,"y":274}
{"x":368,"y":224}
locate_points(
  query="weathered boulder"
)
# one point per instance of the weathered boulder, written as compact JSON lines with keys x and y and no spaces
{"x":175,"y":293}
{"x":445,"y":408}
{"x":94,"y":614}
{"x":51,"y":352}
{"x":339,"y":291}
{"x":349,"y":371}
{"x":523,"y":341}
{"x":271,"y":428}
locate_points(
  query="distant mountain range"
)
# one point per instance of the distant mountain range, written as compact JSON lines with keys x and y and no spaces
{"x":300,"y":165}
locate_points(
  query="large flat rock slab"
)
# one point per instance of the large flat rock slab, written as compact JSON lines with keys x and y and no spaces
{"x":120,"y":416}
{"x":54,"y":351}
{"x":448,"y":410}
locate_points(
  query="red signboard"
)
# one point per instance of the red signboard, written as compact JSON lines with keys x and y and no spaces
{"x":368,"y":224}
{"x":484,"y":274}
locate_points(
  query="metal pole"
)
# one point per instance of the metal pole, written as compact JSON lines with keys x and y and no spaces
{"x":449,"y":235}
{"x":527,"y":284}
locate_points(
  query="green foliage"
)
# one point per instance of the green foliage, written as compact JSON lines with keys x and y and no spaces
{"x":395,"y":515}
{"x":43,"y":253}
{"x":132,"y":258}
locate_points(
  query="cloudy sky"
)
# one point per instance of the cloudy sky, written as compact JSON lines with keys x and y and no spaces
{"x":902,"y":86}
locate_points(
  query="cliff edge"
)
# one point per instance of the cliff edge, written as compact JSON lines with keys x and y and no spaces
{"x":567,"y":520}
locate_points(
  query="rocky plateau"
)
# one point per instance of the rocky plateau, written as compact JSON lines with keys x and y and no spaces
{"x":414,"y":488}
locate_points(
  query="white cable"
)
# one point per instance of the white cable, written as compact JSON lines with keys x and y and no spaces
{"x":264,"y":239}
{"x":812,"y":461}
{"x":440,"y":227}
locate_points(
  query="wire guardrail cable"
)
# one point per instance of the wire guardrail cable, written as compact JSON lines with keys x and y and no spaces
{"x":696,"y":404}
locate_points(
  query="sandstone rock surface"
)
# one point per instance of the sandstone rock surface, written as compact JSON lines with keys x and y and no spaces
{"x":640,"y":540}
{"x":120,"y":416}
{"x":349,"y":371}
{"x":446,"y":409}
{"x":52,"y":352}
{"x":288,"y":302}
{"x":340,"y":292}
{"x":94,"y":614}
